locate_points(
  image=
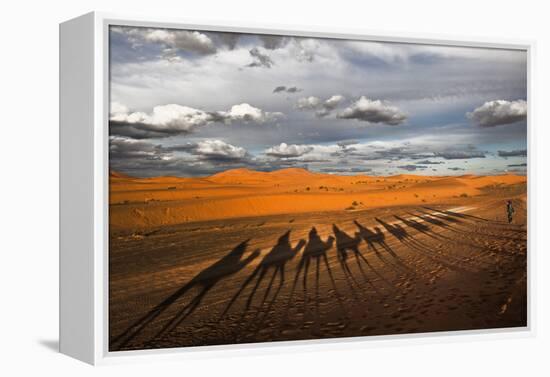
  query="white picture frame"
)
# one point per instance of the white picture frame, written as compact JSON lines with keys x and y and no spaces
{"x":84,"y":170}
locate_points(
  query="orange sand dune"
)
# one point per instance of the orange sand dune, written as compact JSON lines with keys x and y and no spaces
{"x":145,"y":202}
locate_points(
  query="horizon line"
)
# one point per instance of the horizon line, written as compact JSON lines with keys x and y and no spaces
{"x":352,"y":174}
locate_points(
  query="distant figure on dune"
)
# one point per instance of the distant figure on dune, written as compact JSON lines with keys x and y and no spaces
{"x":510,"y":211}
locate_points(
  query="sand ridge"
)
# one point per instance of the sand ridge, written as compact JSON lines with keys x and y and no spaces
{"x":149,"y":202}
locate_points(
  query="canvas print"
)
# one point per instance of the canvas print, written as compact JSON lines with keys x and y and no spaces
{"x":270,"y":188}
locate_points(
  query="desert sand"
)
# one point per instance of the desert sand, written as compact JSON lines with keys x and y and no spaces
{"x":245,"y":256}
{"x":142,"y":203}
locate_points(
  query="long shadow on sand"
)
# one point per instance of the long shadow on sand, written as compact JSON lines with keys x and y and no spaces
{"x":376,"y":241}
{"x":344,"y":245}
{"x":315,"y":251}
{"x":407,"y":239}
{"x":274,"y":261}
{"x":469,"y":236}
{"x":427,"y":231}
{"x":458,"y":214}
{"x":439,"y":219}
{"x":464,"y":216}
{"x":205,"y":280}
{"x":434,"y":220}
{"x":422,"y":228}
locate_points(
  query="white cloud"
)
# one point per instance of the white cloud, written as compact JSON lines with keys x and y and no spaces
{"x":308,"y":103}
{"x":165,"y":117}
{"x":288,"y":150}
{"x":174,"y":40}
{"x":333,"y":101}
{"x":428,"y":84}
{"x":323,"y":108}
{"x":219,"y":149}
{"x":373,"y":111}
{"x":247,"y":113}
{"x":499,"y":112}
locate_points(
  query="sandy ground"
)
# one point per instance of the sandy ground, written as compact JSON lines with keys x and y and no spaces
{"x":449,"y":264}
{"x":142,"y":203}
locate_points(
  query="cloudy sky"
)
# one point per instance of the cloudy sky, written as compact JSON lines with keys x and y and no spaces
{"x":193,"y":103}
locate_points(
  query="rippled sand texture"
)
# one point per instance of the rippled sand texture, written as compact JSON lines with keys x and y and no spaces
{"x":246,"y":256}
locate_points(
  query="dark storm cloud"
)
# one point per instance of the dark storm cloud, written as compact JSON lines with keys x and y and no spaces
{"x":143,"y":158}
{"x":310,"y":160}
{"x":519,"y":171}
{"x":514,"y":153}
{"x":346,"y":143}
{"x":228,"y":39}
{"x":345,"y":170}
{"x":271,"y":42}
{"x":424,"y":151}
{"x":282,"y":88}
{"x":150,"y":168}
{"x":517,"y":165}
{"x":373,"y":111}
{"x":260,"y":59}
{"x":429,"y":162}
{"x":397,"y":153}
{"x":125,"y":148}
{"x":411,"y":167}
{"x":137,"y":131}
{"x":499,"y":112}
{"x":460,"y":155}
{"x":345,"y":148}
{"x":178,"y":166}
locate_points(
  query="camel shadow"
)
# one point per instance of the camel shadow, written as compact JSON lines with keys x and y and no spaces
{"x":346,"y":246}
{"x":205,"y":280}
{"x":422,"y":228}
{"x":408,"y":240}
{"x":376,"y":241}
{"x":430,"y":218}
{"x":439,"y":220}
{"x":275,"y":260}
{"x":459,"y":215}
{"x":315,"y":251}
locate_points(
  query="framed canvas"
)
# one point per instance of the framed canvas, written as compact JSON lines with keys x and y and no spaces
{"x":240,"y":187}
